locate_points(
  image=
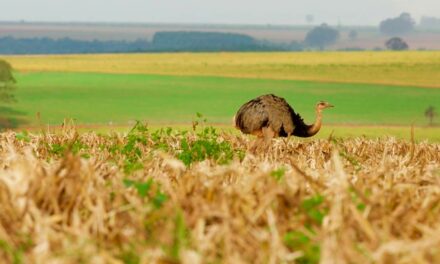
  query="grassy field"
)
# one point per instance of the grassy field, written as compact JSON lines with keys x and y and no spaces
{"x":370,"y":89}
{"x":413,"y":68}
{"x":104,"y":98}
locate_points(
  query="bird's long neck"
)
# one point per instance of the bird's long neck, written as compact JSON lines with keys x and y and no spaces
{"x":313,"y":129}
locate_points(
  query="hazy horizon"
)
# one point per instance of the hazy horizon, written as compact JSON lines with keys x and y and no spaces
{"x":276,"y":12}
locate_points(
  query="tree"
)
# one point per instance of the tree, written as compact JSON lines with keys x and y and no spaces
{"x":321,"y":36}
{"x":400,"y":25}
{"x":353,"y":34}
{"x":430,"y":113}
{"x":396,"y":44}
{"x":7,"y":82}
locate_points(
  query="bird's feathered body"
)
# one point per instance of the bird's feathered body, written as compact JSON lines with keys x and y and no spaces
{"x":270,"y":111}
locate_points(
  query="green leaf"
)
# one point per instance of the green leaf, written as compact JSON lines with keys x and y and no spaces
{"x":159,"y":199}
{"x":278,"y":173}
{"x":295,"y":239}
{"x":312,"y":202}
{"x":316,"y":215}
{"x":361,"y":207}
{"x":130,"y":166}
{"x":130,"y":257}
{"x":23,"y":136}
{"x":58,"y":149}
{"x":141,"y":187}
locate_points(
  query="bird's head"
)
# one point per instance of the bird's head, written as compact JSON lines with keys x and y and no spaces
{"x":323,"y":105}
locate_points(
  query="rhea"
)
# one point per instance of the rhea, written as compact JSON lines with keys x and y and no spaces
{"x":270,"y":116}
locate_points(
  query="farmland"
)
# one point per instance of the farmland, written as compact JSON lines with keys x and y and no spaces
{"x":412,"y":68}
{"x":167,"y":100}
{"x":169,"y":89}
{"x":170,"y":196}
{"x":178,"y":189}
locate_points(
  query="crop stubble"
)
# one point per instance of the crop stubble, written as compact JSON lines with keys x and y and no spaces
{"x":67,"y":198}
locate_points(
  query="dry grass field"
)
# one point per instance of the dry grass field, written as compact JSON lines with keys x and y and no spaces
{"x":413,"y":68}
{"x":200,"y":197}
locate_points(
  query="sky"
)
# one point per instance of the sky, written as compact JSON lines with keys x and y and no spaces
{"x":274,"y":12}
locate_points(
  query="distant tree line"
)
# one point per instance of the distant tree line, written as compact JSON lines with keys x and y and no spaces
{"x":162,"y":41}
{"x":9,"y":45}
{"x":318,"y":37}
{"x":207,"y":41}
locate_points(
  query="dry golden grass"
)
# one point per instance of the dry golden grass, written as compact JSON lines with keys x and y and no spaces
{"x":66,"y":199}
{"x":415,"y":68}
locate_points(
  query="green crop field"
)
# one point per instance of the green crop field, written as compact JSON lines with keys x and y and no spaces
{"x":103,"y":98}
{"x":368,"y":89}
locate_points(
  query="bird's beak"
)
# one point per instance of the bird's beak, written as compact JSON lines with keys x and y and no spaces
{"x":330,"y":105}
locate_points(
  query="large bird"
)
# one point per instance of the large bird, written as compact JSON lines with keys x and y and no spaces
{"x":270,"y":116}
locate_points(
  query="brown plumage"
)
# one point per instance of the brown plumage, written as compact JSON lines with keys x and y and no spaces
{"x":271,"y":116}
